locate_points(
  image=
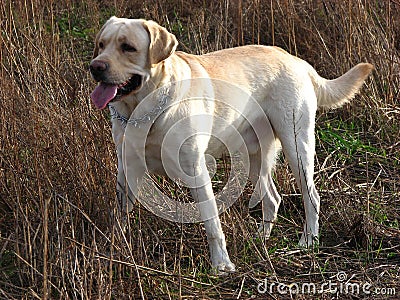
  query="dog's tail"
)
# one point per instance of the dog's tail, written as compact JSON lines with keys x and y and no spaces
{"x":334,"y":93}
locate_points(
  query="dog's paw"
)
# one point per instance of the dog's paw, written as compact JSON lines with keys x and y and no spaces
{"x":308,"y":241}
{"x":223,"y":269}
{"x":264,"y":230}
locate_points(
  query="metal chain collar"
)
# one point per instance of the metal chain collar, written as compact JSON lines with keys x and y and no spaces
{"x":146,"y":118}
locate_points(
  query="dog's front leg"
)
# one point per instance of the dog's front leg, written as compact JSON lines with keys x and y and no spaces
{"x":205,"y":199}
{"x":124,"y":196}
{"x":216,"y":239}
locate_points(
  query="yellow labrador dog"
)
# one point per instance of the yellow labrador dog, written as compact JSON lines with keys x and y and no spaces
{"x":277,"y":108}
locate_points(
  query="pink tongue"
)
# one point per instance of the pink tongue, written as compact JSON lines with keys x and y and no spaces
{"x":103,"y":94}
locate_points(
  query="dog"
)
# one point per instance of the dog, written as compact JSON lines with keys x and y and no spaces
{"x":133,"y":58}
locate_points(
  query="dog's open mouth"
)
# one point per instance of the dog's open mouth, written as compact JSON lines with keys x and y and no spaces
{"x":104,"y":93}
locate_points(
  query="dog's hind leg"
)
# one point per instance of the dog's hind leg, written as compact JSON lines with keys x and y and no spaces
{"x":261,"y":167}
{"x":296,"y":132}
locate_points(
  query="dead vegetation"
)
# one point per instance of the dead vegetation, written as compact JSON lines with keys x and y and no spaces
{"x":57,"y":163}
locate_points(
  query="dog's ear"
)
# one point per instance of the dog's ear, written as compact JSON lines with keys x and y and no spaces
{"x":162,"y":42}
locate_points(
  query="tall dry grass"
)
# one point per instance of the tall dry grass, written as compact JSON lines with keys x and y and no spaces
{"x":57,"y":163}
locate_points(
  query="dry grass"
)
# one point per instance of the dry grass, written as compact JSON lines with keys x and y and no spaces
{"x":57,"y":163}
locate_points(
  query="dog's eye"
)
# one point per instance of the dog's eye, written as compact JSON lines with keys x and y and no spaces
{"x":127,"y":48}
{"x":101,"y":45}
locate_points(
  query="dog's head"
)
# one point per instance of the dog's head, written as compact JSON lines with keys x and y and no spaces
{"x":125,"y":51}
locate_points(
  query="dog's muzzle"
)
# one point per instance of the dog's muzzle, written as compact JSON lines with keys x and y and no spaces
{"x":106,"y":91}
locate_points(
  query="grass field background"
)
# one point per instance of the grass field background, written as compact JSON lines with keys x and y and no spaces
{"x":58,"y":163}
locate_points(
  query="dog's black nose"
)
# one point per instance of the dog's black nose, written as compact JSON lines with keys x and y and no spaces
{"x":98,"y":68}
